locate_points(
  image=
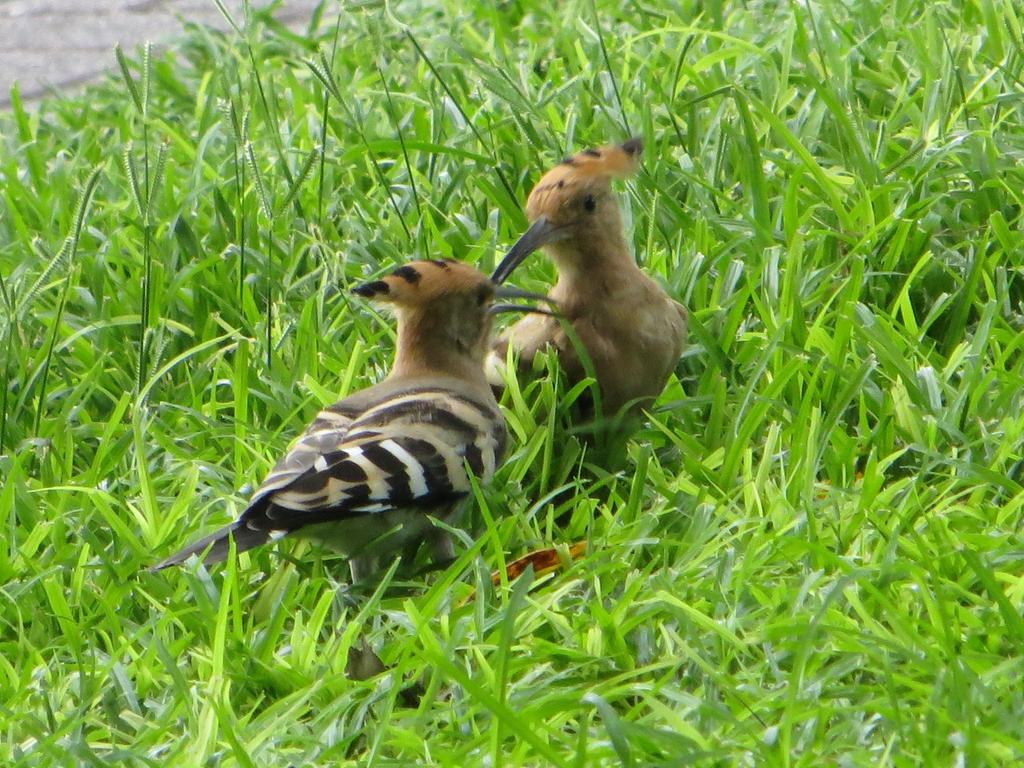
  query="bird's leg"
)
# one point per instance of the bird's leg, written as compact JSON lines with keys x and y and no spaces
{"x":363,"y":663}
{"x":362,"y":566}
{"x":442,"y":548}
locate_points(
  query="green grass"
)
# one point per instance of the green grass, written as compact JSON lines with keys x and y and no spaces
{"x":812,"y":552}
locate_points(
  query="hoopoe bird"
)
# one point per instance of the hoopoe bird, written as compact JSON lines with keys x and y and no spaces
{"x":631,"y":329}
{"x":368,"y":471}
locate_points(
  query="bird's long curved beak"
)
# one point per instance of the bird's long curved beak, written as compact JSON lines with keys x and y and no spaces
{"x":511,"y":292}
{"x":540,"y":233}
{"x":497,"y":309}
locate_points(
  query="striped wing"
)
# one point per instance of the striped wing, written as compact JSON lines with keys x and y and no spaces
{"x":324,"y":435}
{"x":412,"y":449}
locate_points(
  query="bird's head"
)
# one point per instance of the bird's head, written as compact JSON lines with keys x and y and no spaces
{"x":572,"y":209}
{"x":444,"y":309}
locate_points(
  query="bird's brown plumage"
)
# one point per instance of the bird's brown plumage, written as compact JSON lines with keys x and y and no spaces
{"x":631,"y":329}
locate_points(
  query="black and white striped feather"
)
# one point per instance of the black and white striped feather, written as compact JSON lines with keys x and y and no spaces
{"x":370,"y":463}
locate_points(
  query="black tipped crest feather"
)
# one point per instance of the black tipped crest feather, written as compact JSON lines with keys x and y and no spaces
{"x":633,"y":146}
{"x":407,"y":273}
{"x":371,"y":289}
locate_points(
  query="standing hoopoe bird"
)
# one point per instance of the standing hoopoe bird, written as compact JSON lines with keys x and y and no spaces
{"x":370,"y":468}
{"x":632,"y":330}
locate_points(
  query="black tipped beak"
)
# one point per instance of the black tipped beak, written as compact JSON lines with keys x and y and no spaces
{"x":511,"y":292}
{"x":633,"y":146}
{"x":497,"y":309}
{"x":540,"y":232}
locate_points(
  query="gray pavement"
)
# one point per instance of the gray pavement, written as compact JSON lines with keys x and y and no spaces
{"x":57,"y":45}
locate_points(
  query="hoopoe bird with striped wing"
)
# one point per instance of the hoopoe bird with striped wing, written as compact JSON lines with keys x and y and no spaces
{"x":368,"y":471}
{"x":631,"y":329}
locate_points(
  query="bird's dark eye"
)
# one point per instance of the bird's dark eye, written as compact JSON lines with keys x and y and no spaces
{"x":589,"y":203}
{"x":483,"y":295}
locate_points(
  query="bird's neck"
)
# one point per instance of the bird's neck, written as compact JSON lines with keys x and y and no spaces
{"x":592,"y":264}
{"x":427,"y":348}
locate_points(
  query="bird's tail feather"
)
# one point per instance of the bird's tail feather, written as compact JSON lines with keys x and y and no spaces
{"x":218,"y":544}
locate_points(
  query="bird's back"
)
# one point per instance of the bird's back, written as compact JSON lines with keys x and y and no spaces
{"x":401,"y":443}
{"x":370,"y":463}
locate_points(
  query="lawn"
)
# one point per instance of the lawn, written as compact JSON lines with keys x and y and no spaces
{"x":809,"y":555}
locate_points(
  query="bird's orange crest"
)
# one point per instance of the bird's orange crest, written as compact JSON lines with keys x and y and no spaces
{"x":421,"y":282}
{"x":615,"y":161}
{"x":591,"y":169}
